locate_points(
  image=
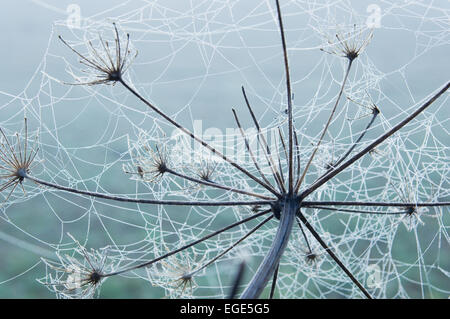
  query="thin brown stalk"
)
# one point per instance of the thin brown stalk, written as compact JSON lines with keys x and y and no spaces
{"x":299,"y":182}
{"x":247,"y":145}
{"x":194,"y":137}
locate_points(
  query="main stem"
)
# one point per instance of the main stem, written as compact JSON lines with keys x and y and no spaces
{"x":272,"y":259}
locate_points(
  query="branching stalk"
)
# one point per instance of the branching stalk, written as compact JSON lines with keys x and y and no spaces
{"x":232,"y":246}
{"x":332,"y":255}
{"x":264,"y":146}
{"x":375,"y":143}
{"x":195,"y":138}
{"x":215,"y":185}
{"x":374,"y":116}
{"x":247,"y":145}
{"x":373,"y":204}
{"x":289,"y":101}
{"x":146,"y":264}
{"x":299,"y":182}
{"x":145,"y":201}
{"x":346,"y":210}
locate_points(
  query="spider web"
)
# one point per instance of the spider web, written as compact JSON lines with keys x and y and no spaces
{"x":193,"y":58}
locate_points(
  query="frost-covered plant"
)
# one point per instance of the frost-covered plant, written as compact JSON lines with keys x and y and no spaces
{"x":291,"y":187}
{"x":79,"y":274}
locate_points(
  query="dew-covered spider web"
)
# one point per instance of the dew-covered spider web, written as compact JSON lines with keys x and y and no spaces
{"x":193,"y":58}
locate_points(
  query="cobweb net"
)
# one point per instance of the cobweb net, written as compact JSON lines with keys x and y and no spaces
{"x":193,"y":58}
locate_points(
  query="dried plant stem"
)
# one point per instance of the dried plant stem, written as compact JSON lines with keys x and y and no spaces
{"x":194,"y":137}
{"x":372,"y":120}
{"x":215,"y":185}
{"x":374,"y":116}
{"x":289,"y":101}
{"x":304,"y":235}
{"x":237,"y":281}
{"x":229,"y":203}
{"x":264,"y":146}
{"x":145,"y":201}
{"x":374,"y":144}
{"x":332,"y":255}
{"x":299,"y":182}
{"x":373,"y":204}
{"x":247,"y":146}
{"x":188,"y":245}
{"x":297,"y":149}
{"x":359,"y":211}
{"x":232,"y":246}
{"x":272,"y":259}
{"x":274,"y":282}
